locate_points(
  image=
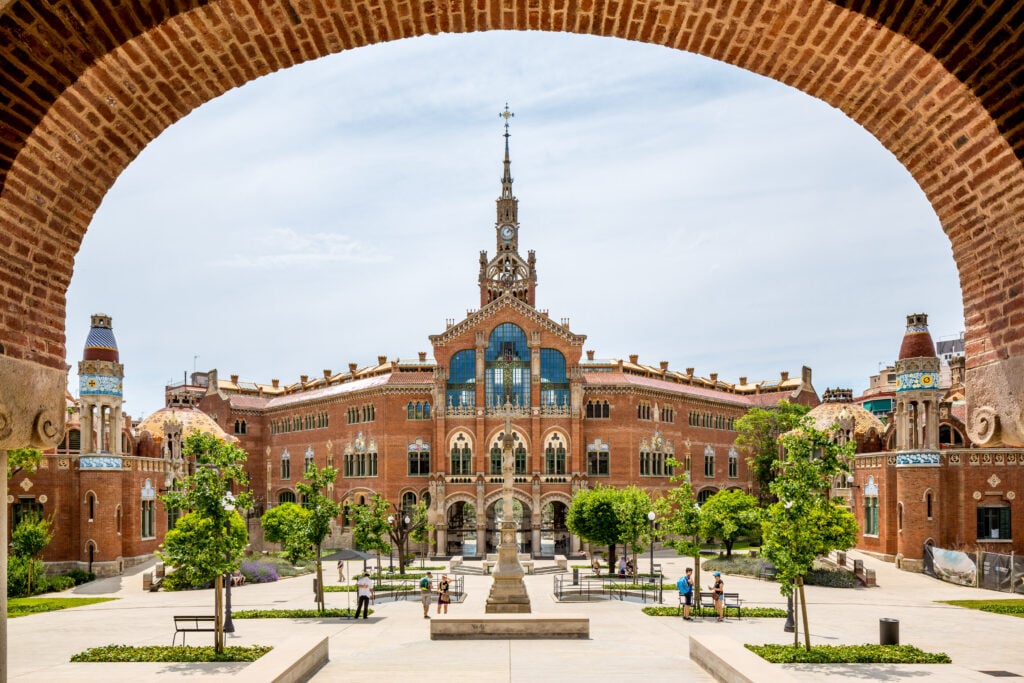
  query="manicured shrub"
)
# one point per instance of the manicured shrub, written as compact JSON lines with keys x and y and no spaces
{"x":848,"y":654}
{"x":752,"y":612}
{"x":18,"y":569}
{"x":80,"y":576}
{"x":56,"y":584}
{"x":259,"y":572}
{"x":161,"y":653}
{"x":830,"y":578}
{"x":292,"y":613}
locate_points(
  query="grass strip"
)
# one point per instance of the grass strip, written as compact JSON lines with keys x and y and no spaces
{"x":292,"y":613}
{"x":752,"y":612}
{"x":164,"y":653}
{"x":1011,"y":606}
{"x":848,"y":654}
{"x":20,"y":607}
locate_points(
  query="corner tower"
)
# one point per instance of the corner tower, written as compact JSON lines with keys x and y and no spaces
{"x":507,"y":274}
{"x":917,"y":388}
{"x":100,"y":377}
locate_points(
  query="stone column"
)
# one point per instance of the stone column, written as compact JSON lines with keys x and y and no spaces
{"x":118,"y":426}
{"x":535,"y":539}
{"x":86,"y":436}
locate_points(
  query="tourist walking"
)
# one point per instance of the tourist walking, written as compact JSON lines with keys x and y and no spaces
{"x":364,"y":591}
{"x":716,"y":595}
{"x":425,"y":586}
{"x":685,"y":586}
{"x":341,"y":571}
{"x":443,"y":597}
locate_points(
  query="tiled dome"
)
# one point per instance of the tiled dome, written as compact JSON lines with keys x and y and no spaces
{"x":917,"y":340}
{"x":101,"y":344}
{"x":191,"y":419}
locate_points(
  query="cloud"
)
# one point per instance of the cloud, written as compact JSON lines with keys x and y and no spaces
{"x":287,"y":248}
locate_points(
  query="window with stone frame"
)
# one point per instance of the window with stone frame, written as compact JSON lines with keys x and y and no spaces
{"x":309,"y":459}
{"x":709,"y":462}
{"x":27,"y":507}
{"x":286,"y":497}
{"x":994,"y":523}
{"x":734,"y":464}
{"x":419,"y":459}
{"x":461,"y":456}
{"x":286,"y":465}
{"x":148,"y":519}
{"x":461,"y":387}
{"x":597,"y":409}
{"x":870,"y":515}
{"x":554,"y":455}
{"x":598,"y":459}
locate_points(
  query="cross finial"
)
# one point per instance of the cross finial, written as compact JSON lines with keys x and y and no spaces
{"x":506,"y":115}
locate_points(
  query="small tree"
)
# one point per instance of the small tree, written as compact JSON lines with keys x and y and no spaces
{"x":804,"y":523}
{"x":23,"y":459}
{"x":592,"y":516}
{"x":286,"y":524}
{"x":679,"y":518}
{"x":728,"y":515}
{"x":370,"y":530}
{"x":219,"y":468}
{"x":322,"y":510}
{"x":422,"y":530}
{"x":759,"y":430}
{"x":631,"y":508}
{"x":197,"y":547}
{"x":28,"y":539}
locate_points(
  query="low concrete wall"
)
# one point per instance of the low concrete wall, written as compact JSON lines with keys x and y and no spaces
{"x":728,"y":661}
{"x":292,"y":661}
{"x":510,"y":627}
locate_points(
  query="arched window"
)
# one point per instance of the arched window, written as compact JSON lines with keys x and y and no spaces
{"x":703,"y":496}
{"x":520,"y":454}
{"x":709,"y":462}
{"x":496,"y":458}
{"x":408,"y":501}
{"x":554,"y":455}
{"x":461,"y":455}
{"x":286,"y":497}
{"x":410,"y":411}
{"x":950,"y":436}
{"x":461,"y":389}
{"x":598,"y":459}
{"x":426,"y":410}
{"x":508,"y":367}
{"x":928,"y":503}
{"x":419,"y":459}
{"x":286,"y":465}
{"x":554,"y":383}
{"x":899,"y":516}
{"x":90,"y":500}
{"x":117,"y":519}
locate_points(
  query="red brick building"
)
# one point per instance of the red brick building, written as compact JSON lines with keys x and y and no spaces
{"x":430,"y":428}
{"x":927,"y":482}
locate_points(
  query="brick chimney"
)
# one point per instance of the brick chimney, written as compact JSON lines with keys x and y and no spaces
{"x":785,"y":375}
{"x":275,"y":383}
{"x":327,"y":373}
{"x":743,"y":380}
{"x":303,"y":378}
{"x":423,"y":356}
{"x":590,"y":354}
{"x":714,"y":377}
{"x":352,"y":368}
{"x":633,"y":358}
{"x":664,"y":365}
{"x":381,"y":360}
{"x":234,"y":379}
{"x":689,"y":371}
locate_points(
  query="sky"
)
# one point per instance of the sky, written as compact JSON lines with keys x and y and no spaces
{"x":681,"y":209}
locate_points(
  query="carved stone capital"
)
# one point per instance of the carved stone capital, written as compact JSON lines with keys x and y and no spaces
{"x":995,"y":403}
{"x":31,"y":404}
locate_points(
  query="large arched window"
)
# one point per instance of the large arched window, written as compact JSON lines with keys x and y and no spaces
{"x":554,"y":455}
{"x":408,"y":502}
{"x":462,"y":379}
{"x":286,"y":497}
{"x":508,"y":366}
{"x":554,"y":383}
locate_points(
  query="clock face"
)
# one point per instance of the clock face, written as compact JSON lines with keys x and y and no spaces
{"x":506,"y":232}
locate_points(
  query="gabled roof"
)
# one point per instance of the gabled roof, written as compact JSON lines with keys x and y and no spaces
{"x":508,"y":301}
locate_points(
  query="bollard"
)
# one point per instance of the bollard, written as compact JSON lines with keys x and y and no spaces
{"x":888,"y":631}
{"x":575,"y":576}
{"x":147,"y":581}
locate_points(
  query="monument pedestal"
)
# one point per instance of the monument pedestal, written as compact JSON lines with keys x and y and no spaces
{"x":508,"y":592}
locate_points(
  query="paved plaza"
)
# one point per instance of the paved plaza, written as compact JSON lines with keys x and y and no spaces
{"x":625,"y":644}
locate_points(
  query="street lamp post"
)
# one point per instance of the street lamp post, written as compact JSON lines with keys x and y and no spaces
{"x":391,"y":564}
{"x":651,"y":516}
{"x":406,"y":520}
{"x":790,"y":625}
{"x":229,"y":505}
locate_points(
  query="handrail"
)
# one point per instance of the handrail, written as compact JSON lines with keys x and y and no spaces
{"x":607,"y":587}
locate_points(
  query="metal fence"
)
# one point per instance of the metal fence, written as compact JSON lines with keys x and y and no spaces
{"x":409,"y":589}
{"x":993,"y":571}
{"x":573,"y":587}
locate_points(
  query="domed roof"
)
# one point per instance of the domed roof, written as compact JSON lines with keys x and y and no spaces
{"x":917,"y":340}
{"x":101,"y":344}
{"x":190,"y":420}
{"x":845,"y":414}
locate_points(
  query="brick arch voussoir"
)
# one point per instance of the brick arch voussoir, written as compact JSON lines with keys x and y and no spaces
{"x":102,"y":105}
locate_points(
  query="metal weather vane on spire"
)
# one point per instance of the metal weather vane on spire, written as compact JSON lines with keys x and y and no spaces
{"x":506,"y":115}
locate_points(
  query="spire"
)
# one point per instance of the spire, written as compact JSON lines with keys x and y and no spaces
{"x":506,"y":179}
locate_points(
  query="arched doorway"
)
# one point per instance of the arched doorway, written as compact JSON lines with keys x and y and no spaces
{"x":554,"y":535}
{"x":521,"y":515}
{"x":462,"y":529}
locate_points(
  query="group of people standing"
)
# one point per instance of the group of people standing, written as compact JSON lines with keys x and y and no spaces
{"x":365,"y":593}
{"x":685,"y":587}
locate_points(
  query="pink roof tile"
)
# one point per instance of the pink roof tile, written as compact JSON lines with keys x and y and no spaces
{"x":620,"y":378}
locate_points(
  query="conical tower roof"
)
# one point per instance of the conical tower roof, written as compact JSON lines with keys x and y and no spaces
{"x":101,"y":344}
{"x":917,"y":340}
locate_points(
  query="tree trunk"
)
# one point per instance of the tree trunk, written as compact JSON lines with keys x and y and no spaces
{"x":728,"y":547}
{"x":319,"y":581}
{"x":612,"y":559}
{"x":803,"y":610}
{"x":218,"y":612}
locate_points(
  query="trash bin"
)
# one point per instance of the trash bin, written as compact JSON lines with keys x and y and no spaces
{"x":575,"y":576}
{"x":888,"y":631}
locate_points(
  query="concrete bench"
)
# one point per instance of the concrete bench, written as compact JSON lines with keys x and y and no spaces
{"x":510,"y":627}
{"x":727,"y":660}
{"x":455,"y":562}
{"x":489,"y":565}
{"x":562,"y":562}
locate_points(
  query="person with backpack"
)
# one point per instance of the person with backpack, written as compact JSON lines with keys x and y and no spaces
{"x":425,"y":588}
{"x":685,"y":586}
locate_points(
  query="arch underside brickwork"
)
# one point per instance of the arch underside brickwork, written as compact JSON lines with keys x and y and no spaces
{"x":86,"y":85}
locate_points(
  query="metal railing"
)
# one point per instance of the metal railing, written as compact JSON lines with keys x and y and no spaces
{"x":409,"y":589}
{"x":576,"y":587}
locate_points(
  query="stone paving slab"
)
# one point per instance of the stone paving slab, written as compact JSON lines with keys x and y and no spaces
{"x":625,"y":644}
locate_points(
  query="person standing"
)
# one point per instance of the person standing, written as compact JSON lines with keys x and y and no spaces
{"x":717,"y":595}
{"x":622,"y":566}
{"x":443,"y":597}
{"x":685,"y":586}
{"x":364,"y":589}
{"x":341,"y":571}
{"x":425,"y":585}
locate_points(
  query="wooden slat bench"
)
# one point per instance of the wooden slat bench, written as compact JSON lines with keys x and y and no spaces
{"x":202,"y":623}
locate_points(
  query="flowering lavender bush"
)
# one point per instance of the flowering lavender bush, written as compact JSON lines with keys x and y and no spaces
{"x":258,"y":572}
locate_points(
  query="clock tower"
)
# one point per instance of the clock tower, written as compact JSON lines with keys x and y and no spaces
{"x":507,"y":274}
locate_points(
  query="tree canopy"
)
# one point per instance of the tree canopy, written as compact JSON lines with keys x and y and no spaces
{"x":592,"y":516}
{"x":729,"y":515}
{"x":322,"y":509}
{"x":759,"y":431}
{"x":287,"y":524}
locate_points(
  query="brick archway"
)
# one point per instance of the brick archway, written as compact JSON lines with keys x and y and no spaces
{"x":85,"y":87}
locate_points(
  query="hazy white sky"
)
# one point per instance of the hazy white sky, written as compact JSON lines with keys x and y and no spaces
{"x":681,"y":209}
